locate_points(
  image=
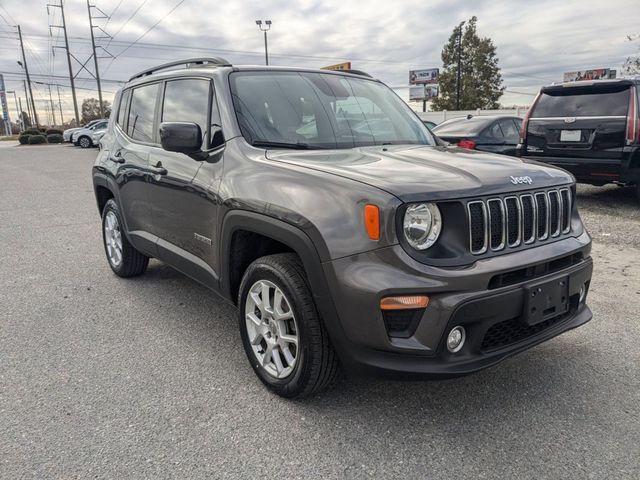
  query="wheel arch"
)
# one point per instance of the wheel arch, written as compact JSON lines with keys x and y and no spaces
{"x":295,"y":240}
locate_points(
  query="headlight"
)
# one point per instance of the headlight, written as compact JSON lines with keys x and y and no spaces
{"x":422,"y":225}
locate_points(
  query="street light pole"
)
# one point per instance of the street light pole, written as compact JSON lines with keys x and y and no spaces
{"x":265,"y":29}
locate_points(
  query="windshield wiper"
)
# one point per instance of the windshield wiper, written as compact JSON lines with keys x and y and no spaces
{"x":295,"y":146}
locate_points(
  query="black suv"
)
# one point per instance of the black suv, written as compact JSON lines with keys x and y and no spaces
{"x":590,"y":128}
{"x":321,"y":206}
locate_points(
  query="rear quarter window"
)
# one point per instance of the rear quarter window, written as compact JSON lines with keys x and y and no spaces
{"x":583,"y":102}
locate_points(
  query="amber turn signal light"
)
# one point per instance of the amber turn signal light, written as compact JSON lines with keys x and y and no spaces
{"x":372,"y":221}
{"x":405,"y":302}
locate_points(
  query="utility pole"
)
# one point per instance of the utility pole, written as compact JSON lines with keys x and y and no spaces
{"x":95,"y":59}
{"x":458,"y":86}
{"x":26,"y":71}
{"x":66,"y":47}
{"x":53,"y":112}
{"x":60,"y":105}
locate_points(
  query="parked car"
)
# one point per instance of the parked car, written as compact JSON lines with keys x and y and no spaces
{"x":368,"y":248}
{"x":590,"y":128}
{"x":495,"y":134}
{"x":84,"y":137}
{"x":66,"y":135}
{"x":97,"y":135}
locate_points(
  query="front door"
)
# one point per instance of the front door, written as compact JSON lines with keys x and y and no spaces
{"x":183,"y":190}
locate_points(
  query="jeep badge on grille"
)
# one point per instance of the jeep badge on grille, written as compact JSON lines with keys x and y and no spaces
{"x":520,"y":180}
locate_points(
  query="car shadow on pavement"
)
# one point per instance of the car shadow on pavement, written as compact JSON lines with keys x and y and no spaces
{"x":607,"y":197}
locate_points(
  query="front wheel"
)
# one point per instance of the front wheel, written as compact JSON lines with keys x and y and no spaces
{"x":84,"y":142}
{"x":282,"y":333}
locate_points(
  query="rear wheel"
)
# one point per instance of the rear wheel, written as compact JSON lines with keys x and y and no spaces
{"x":282,"y":332}
{"x":123,"y":258}
{"x":84,"y":142}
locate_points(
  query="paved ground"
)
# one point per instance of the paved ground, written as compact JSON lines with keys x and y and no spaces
{"x":108,"y":378}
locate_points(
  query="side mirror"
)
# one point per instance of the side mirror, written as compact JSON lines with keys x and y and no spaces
{"x":182,"y":137}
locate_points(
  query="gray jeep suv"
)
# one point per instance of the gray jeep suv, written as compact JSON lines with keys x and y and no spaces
{"x":320,"y":205}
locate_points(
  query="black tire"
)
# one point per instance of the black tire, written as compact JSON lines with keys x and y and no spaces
{"x":316,"y":365}
{"x":85,"y":142}
{"x":133,"y":262}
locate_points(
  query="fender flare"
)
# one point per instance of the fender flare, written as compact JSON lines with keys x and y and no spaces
{"x":299,"y":242}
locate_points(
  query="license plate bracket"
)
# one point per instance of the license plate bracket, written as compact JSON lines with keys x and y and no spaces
{"x":545,"y":300}
{"x":570,"y":135}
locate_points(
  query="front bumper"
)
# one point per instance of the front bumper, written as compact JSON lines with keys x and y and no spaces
{"x":492,"y":314}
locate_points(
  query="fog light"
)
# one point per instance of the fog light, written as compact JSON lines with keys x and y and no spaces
{"x":455,"y":339}
{"x":583,"y":292}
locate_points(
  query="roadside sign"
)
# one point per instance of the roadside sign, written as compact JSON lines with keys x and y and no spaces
{"x":594,"y":74}
{"x":424,"y":76}
{"x":418,"y":93}
{"x":338,"y":66}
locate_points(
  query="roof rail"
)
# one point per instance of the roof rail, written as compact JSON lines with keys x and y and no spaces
{"x":354,"y":72}
{"x":189,"y":62}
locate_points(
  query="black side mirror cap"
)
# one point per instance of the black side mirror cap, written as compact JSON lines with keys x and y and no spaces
{"x":181,"y":137}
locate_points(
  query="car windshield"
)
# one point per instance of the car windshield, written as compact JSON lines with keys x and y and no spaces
{"x":316,"y":110}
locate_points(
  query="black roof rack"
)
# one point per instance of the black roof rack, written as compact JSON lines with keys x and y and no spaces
{"x":189,"y":62}
{"x":355,"y":72}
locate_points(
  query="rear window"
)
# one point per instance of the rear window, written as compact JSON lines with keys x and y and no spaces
{"x":583,"y":102}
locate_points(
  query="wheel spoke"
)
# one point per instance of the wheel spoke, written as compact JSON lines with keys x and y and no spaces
{"x":252,"y":316}
{"x":267,"y":355}
{"x":265,"y":297}
{"x":289,"y":339}
{"x":275,"y":354}
{"x":287,"y":356}
{"x":257,"y":338}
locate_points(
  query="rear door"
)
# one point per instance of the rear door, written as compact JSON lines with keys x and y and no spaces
{"x":580,"y":127}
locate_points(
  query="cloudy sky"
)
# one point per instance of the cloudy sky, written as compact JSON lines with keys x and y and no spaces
{"x":536,"y":40}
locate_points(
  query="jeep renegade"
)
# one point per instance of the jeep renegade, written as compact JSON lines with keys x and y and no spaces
{"x":321,"y":206}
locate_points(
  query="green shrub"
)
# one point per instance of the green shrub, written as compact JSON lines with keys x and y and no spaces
{"x":36,"y":139}
{"x":54,"y":138}
{"x":32,"y":131}
{"x":53,"y":131}
{"x":24,"y":138}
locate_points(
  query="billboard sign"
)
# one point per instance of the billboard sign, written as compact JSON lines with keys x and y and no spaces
{"x":595,"y":74}
{"x":419,"y":93}
{"x":338,"y":66}
{"x":424,"y":76}
{"x":3,"y":100}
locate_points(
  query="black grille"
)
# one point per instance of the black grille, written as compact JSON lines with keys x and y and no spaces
{"x":477,"y":221}
{"x":541,"y":206}
{"x":512,"y":331}
{"x":499,"y":223}
{"x":496,"y":226}
{"x":528,"y":218}
{"x":566,"y":210}
{"x":513,"y":221}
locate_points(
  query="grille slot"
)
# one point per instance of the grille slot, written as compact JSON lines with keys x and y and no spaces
{"x":508,"y":222}
{"x":542,"y":206}
{"x":478,"y":230}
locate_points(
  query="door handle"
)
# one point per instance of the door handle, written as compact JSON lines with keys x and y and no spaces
{"x":158,"y":169}
{"x":117,"y":157}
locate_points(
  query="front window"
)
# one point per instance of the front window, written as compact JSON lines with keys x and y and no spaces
{"x":316,"y":110}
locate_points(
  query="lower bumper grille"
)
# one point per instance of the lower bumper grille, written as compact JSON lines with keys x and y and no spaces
{"x":512,"y":331}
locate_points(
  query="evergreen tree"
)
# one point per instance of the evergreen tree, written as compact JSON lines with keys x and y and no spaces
{"x":480,"y":78}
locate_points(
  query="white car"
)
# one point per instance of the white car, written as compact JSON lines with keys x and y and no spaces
{"x":66,"y":135}
{"x":84,"y":136}
{"x":97,"y":135}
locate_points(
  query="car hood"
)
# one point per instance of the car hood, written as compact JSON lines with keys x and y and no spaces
{"x":418,"y":172}
{"x":71,"y":130}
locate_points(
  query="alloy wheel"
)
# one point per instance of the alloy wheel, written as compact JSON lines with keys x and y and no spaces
{"x":272,"y":329}
{"x":113,"y":238}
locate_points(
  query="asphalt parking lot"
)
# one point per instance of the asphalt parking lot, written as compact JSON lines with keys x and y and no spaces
{"x":102,"y":377}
